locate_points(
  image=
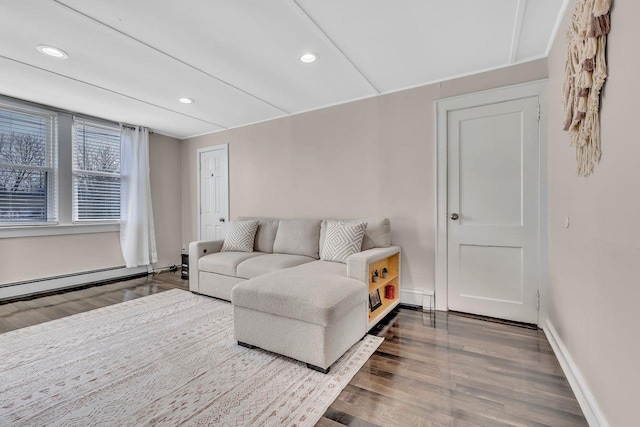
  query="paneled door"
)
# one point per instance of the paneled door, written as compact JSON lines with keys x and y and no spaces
{"x":214,"y":192}
{"x":493,"y":212}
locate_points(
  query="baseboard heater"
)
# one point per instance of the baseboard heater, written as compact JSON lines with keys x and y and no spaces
{"x":28,"y":288}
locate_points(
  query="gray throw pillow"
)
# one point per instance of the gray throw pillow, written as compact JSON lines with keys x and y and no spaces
{"x":342,"y":239}
{"x":240,"y":236}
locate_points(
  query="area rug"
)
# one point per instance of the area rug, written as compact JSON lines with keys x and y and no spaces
{"x":165,"y":359}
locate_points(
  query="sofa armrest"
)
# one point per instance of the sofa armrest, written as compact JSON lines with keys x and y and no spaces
{"x":197,"y":250}
{"x":358,"y":264}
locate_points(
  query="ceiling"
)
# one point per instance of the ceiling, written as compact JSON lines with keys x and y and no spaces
{"x":129,"y":61}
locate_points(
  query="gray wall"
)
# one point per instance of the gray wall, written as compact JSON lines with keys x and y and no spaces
{"x":166,"y":185}
{"x":594,"y":265}
{"x":374,"y":157}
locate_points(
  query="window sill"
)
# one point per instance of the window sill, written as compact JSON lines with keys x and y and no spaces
{"x":55,"y":230}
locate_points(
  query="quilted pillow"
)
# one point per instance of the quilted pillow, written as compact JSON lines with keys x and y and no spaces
{"x":266,"y":234}
{"x":240,"y":236}
{"x":342,"y":239}
{"x":377,"y":234}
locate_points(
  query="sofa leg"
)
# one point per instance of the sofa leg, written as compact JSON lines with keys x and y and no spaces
{"x":244,"y":344}
{"x":318,"y":368}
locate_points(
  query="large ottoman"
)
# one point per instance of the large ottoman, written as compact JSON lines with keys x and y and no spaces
{"x":311,"y":313}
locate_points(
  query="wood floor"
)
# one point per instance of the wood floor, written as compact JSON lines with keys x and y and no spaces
{"x":439,"y":369}
{"x":433,"y":369}
{"x":21,"y":314}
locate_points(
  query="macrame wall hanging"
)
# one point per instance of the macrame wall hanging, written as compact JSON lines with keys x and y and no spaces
{"x":585,"y":73}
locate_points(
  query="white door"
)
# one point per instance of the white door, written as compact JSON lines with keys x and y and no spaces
{"x":493,"y":185}
{"x":214,"y":192}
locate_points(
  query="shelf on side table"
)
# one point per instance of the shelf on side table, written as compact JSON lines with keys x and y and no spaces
{"x":392,"y":264}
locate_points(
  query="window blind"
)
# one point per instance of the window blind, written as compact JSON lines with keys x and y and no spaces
{"x":28,"y":166}
{"x":96,"y":172}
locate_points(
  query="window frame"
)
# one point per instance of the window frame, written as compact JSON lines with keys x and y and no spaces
{"x":65,"y":224}
{"x":75,"y":172}
{"x":51,"y":163}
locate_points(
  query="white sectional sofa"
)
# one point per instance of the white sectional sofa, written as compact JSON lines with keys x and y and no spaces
{"x":285,"y":299}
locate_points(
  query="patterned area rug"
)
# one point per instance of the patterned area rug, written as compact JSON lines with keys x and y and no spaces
{"x":165,"y":359}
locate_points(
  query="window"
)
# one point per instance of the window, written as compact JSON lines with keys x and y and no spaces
{"x":96,"y":172}
{"x":28,"y":166}
{"x":59,"y":173}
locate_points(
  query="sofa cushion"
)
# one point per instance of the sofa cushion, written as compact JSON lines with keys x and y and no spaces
{"x":240,"y":236}
{"x":217,"y":285}
{"x":254,"y":267}
{"x":342,"y":240}
{"x":377,"y":234}
{"x":317,"y":292}
{"x":225,"y":262}
{"x":266,"y":234}
{"x":298,"y":237}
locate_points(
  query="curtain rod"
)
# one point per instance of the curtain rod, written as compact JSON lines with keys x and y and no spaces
{"x":132,"y":127}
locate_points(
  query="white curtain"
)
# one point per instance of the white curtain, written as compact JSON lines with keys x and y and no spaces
{"x":137,"y":236}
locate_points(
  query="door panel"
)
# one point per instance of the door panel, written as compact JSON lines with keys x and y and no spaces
{"x":214,"y":209}
{"x":503,"y":183}
{"x":491,"y":272}
{"x":493,"y":187}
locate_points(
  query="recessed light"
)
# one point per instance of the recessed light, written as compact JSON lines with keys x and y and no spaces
{"x":186,"y":100}
{"x":309,"y":57}
{"x":53,"y":51}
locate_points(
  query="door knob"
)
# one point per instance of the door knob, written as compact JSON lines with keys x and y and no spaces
{"x":221,"y":219}
{"x":454,"y":216}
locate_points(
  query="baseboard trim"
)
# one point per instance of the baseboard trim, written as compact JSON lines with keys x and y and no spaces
{"x":580,"y":388}
{"x":417,"y":298}
{"x":25,"y":289}
{"x":411,"y":297}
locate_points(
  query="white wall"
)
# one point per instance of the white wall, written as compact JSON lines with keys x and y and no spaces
{"x":374,"y":157}
{"x":594,"y":266}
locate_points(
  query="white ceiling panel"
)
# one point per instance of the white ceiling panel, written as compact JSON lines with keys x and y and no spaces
{"x":252,"y":44}
{"x":113,"y":61}
{"x":129,"y":61}
{"x":537,"y":27}
{"x":407,"y":42}
{"x":36,"y":85}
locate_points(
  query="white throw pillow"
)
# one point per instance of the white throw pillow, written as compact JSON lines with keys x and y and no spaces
{"x":240,"y":236}
{"x":342,"y":239}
